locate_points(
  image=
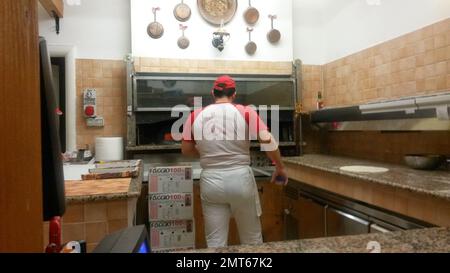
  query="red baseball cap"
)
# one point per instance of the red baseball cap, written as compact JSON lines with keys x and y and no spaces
{"x":224,"y":82}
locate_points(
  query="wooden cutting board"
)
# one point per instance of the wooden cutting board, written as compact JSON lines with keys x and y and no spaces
{"x":97,"y":187}
{"x":112,"y":174}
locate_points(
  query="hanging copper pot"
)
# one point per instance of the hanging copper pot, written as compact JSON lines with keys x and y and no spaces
{"x":274,"y":35}
{"x":251,"y":47}
{"x":183,"y":42}
{"x":251,"y":14}
{"x":155,"y":30}
{"x":182,"y":12}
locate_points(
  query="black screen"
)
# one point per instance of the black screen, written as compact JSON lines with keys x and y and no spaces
{"x":130,"y":240}
{"x":52,"y":165}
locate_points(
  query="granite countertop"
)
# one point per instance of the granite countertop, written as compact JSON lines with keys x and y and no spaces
{"x":433,"y":183}
{"x":103,"y":189}
{"x":434,"y":240}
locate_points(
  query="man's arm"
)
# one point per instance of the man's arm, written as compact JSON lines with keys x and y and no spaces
{"x":188,"y":149}
{"x":265,"y":137}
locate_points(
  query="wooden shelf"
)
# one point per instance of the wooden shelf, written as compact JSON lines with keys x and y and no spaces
{"x":51,"y":6}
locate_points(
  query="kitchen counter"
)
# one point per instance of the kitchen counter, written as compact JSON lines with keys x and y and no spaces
{"x":435,"y":240}
{"x":96,"y":208}
{"x":432,"y":183}
{"x":102,"y":189}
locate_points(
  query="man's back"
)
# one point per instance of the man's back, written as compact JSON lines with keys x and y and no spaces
{"x":222,"y":133}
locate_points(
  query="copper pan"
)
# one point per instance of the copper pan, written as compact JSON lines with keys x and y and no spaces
{"x":251,"y":14}
{"x":274,"y":35}
{"x":182,"y":12}
{"x":155,"y":30}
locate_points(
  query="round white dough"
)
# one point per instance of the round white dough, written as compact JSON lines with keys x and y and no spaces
{"x":363,"y":169}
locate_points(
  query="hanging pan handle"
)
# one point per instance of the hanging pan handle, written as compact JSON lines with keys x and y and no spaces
{"x":272,"y":17}
{"x":249,"y":29}
{"x":154,"y":10}
{"x":183,"y":28}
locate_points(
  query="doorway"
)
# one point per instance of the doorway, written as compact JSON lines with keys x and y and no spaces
{"x":59,"y":79}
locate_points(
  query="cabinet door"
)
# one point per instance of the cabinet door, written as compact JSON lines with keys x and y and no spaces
{"x":341,"y":223}
{"x":290,"y":221}
{"x":271,"y":197}
{"x":311,"y":218}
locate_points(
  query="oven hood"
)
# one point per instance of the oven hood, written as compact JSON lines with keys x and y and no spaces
{"x":420,"y":113}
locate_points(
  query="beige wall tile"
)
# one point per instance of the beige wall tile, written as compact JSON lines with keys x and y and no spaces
{"x":440,"y":40}
{"x":95,"y":211}
{"x":430,"y":84}
{"x":150,"y":62}
{"x":441,"y":54}
{"x":117,"y":210}
{"x":74,"y":213}
{"x":108,"y":78}
{"x":429,"y":44}
{"x":73,"y":232}
{"x":441,"y":82}
{"x":443,"y":26}
{"x":405,"y":66}
{"x":95,"y":232}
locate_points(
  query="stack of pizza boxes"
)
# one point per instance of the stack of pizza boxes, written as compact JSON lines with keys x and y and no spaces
{"x":170,"y":207}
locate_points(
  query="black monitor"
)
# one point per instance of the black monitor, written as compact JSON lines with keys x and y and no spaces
{"x":130,"y":240}
{"x":52,"y":164}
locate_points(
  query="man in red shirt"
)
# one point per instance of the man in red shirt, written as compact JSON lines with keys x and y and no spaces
{"x":220,"y":136}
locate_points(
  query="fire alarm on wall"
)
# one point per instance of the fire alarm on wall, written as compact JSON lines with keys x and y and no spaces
{"x":89,"y":103}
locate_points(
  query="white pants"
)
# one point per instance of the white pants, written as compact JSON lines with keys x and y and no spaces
{"x":230,"y":192}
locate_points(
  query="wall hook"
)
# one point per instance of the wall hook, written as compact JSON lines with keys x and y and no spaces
{"x":56,"y":22}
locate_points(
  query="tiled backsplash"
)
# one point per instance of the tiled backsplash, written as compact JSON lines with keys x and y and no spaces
{"x":108,"y":78}
{"x":387,"y":147}
{"x":312,"y":85}
{"x":92,"y":221}
{"x":417,"y":63}
{"x":212,"y":66}
{"x":413,"y":64}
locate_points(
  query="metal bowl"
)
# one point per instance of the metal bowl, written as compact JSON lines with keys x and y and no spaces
{"x":424,"y":162}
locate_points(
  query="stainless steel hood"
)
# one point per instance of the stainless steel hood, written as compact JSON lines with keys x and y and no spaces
{"x":420,"y":113}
